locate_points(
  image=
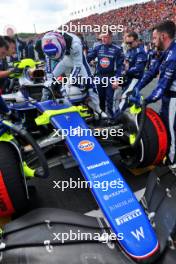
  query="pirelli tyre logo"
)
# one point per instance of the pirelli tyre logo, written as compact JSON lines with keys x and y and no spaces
{"x":128,"y":217}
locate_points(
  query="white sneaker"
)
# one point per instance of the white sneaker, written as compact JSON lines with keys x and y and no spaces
{"x":173,"y":168}
{"x":103,"y":115}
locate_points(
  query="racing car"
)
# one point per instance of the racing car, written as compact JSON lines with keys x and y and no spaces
{"x":150,"y":147}
{"x":88,"y":153}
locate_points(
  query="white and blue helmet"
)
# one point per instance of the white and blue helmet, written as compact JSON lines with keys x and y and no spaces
{"x":54,"y":45}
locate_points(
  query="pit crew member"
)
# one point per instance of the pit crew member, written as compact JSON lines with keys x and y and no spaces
{"x":109,"y":64}
{"x":164,"y":40}
{"x":134,"y":66}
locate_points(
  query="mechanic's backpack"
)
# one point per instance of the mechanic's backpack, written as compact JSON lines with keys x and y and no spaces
{"x":50,"y":236}
{"x":160,"y":203}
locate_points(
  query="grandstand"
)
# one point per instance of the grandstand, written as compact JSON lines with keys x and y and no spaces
{"x":140,"y":17}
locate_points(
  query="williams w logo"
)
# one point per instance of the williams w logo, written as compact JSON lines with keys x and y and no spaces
{"x":138,"y":233}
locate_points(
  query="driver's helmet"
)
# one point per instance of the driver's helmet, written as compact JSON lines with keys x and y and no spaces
{"x":54,"y":45}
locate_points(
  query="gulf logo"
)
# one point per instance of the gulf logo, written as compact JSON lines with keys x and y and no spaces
{"x":104,"y":62}
{"x":86,"y":145}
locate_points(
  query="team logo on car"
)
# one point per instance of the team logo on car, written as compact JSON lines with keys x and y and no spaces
{"x":86,"y":145}
{"x":104,"y":62}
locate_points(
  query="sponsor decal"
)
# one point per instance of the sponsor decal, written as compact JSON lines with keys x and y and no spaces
{"x":114,"y":194}
{"x":128,"y":217}
{"x":50,"y":48}
{"x":121,"y":204}
{"x":94,"y":166}
{"x":103,"y":174}
{"x":104,"y":62}
{"x":138,"y":233}
{"x":86,"y":145}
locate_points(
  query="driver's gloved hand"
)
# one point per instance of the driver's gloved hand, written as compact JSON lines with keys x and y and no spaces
{"x":54,"y":85}
{"x":57,"y":89}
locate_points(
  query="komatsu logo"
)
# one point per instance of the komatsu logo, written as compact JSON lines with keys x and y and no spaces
{"x":128,"y":217}
{"x":94,"y":166}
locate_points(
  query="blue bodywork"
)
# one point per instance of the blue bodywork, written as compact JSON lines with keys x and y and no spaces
{"x":118,"y":203}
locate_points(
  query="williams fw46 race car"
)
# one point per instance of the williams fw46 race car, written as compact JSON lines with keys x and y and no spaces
{"x":140,"y":229}
{"x":141,"y":135}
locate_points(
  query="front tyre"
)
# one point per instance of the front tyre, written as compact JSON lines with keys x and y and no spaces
{"x":153,"y":145}
{"x":13,"y":196}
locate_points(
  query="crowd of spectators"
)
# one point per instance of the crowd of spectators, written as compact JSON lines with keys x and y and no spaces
{"x":137,"y":17}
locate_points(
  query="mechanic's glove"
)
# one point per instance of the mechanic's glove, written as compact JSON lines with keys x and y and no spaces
{"x":138,"y":100}
{"x":15,"y":71}
{"x":135,"y":92}
{"x":147,"y":101}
